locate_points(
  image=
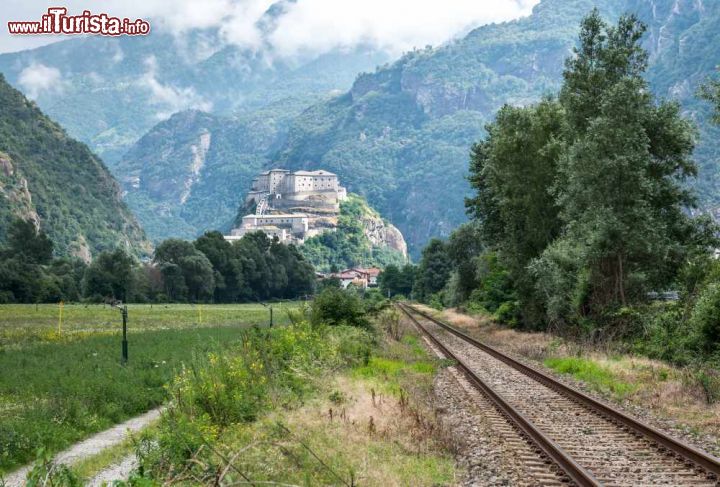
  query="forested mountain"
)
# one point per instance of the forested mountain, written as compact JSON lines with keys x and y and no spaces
{"x":107,"y":92}
{"x":401,"y":136}
{"x":55,"y":181}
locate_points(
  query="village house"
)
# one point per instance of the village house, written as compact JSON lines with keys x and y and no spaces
{"x":357,"y":276}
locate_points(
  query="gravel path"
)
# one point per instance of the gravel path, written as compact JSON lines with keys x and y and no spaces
{"x":119,"y":471}
{"x":91,"y":446}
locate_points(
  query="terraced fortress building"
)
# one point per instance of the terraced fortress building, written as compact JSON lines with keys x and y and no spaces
{"x":292,"y":206}
{"x":284,"y":189}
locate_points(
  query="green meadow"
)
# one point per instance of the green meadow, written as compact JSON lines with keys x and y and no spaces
{"x":61,"y":381}
{"x":23,"y":324}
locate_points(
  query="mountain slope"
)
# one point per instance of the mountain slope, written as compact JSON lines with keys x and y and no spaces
{"x":57,"y":182}
{"x":401,"y":136}
{"x":190,"y":173}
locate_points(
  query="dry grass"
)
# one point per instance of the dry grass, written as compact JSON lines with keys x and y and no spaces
{"x":348,"y":435}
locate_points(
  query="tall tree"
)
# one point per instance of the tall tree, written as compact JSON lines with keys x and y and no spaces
{"x":433,"y":271}
{"x":186,"y":270}
{"x":32,"y":244}
{"x":619,"y":181}
{"x":228,"y":269}
{"x":512,"y":172}
{"x":110,"y":276}
{"x":464,"y":246}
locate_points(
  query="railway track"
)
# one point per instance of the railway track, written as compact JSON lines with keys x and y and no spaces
{"x":588,"y":442}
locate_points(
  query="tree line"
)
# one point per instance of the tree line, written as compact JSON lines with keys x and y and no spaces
{"x":209,"y":269}
{"x":581,"y":212}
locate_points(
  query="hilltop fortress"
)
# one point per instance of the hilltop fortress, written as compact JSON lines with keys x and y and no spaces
{"x":318,"y":189}
{"x":292,"y":206}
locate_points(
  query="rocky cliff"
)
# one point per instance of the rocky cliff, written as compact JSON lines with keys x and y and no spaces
{"x":381,"y":233}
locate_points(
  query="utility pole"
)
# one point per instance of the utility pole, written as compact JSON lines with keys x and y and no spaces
{"x":124,"y":340}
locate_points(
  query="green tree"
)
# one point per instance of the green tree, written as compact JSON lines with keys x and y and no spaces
{"x":512,"y":172}
{"x":397,"y":281}
{"x":464,"y":246}
{"x":110,"y":275}
{"x":199,"y":276}
{"x":619,"y":181}
{"x":433,"y":271}
{"x":338,"y":307}
{"x":227,"y":267}
{"x":187,"y":271}
{"x":32,"y":244}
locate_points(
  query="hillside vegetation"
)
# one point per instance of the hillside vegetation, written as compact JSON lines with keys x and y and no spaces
{"x":350,"y":244}
{"x":56,"y":182}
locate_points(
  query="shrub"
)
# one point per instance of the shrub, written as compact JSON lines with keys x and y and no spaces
{"x":274,"y":367}
{"x":495,"y":284}
{"x":667,"y":335}
{"x":339,"y":307}
{"x":706,"y":317}
{"x":508,"y":313}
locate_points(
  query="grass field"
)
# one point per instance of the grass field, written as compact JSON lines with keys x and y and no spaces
{"x":22,"y":324}
{"x":57,"y":387}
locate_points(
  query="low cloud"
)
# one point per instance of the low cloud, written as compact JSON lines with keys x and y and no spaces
{"x":397,"y":25}
{"x":37,"y":79}
{"x":167,"y":98}
{"x":314,"y":26}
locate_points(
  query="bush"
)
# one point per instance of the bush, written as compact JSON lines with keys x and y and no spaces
{"x":271,"y":368}
{"x":374,"y":301}
{"x":706,"y":317}
{"x":338,"y":307}
{"x":508,"y":313}
{"x":495,"y":285}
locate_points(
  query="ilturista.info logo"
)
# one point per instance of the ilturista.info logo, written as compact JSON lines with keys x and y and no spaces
{"x":57,"y":21}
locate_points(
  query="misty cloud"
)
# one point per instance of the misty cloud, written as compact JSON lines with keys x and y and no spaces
{"x":309,"y":26}
{"x":169,"y":99}
{"x":38,"y":78}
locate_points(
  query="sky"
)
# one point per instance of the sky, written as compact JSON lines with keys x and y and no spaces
{"x":305,"y":26}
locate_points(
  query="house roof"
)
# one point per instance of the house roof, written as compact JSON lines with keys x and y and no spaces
{"x":373,"y":271}
{"x":357,"y":272}
{"x":346,"y":275}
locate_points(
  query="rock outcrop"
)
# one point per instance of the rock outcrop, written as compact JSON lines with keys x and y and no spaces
{"x":383,"y":234}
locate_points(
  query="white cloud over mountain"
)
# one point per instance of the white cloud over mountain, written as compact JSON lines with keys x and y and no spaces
{"x":305,"y":25}
{"x":38,"y":78}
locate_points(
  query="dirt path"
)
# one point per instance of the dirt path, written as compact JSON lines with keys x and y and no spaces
{"x":118,"y":471}
{"x":95,"y":444}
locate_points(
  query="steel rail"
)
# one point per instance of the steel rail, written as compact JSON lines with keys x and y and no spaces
{"x":570,"y":468}
{"x":689,"y":453}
